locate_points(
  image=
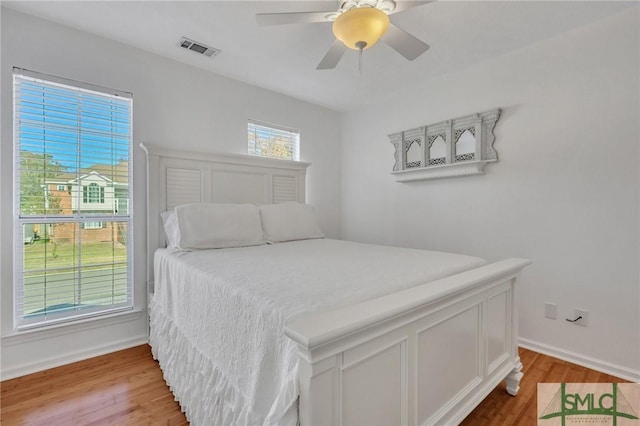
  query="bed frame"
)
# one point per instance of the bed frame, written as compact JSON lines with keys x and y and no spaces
{"x":423,"y":356}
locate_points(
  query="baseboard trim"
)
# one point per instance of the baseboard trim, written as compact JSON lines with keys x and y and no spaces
{"x":45,"y":364}
{"x":585,"y":361}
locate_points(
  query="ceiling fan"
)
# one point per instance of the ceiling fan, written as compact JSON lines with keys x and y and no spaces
{"x":357,"y":24}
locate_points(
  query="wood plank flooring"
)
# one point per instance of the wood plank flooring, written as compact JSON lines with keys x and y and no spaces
{"x":121,"y":388}
{"x":126,"y":388}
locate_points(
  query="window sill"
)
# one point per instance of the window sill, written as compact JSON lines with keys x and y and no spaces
{"x":29,"y":335}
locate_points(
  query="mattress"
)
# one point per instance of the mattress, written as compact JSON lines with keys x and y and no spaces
{"x":218,"y":316}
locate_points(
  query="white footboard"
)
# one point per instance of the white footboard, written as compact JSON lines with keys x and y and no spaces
{"x":426,"y":355}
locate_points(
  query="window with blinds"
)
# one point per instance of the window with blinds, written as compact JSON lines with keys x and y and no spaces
{"x":267,"y":140}
{"x":73,"y":256}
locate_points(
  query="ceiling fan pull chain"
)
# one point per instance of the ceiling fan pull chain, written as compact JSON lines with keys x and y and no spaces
{"x":360,"y":45}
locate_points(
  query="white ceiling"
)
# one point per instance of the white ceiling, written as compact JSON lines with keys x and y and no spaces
{"x":284,"y":58}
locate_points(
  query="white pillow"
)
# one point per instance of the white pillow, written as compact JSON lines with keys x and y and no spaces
{"x":289,"y":222}
{"x":171,"y":229}
{"x":205,"y":226}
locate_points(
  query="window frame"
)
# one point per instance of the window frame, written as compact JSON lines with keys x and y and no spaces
{"x":274,"y":129}
{"x":79,"y":217}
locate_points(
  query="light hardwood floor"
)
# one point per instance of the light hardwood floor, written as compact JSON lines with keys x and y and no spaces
{"x":126,"y":388}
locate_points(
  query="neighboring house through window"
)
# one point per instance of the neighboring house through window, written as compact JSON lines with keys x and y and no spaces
{"x":269,"y":140}
{"x":72,"y":175}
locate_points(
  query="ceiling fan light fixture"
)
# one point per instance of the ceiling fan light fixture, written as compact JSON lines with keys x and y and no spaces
{"x":360,"y":28}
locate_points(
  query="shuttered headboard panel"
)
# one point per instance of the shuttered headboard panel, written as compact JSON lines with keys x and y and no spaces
{"x":179,"y":177}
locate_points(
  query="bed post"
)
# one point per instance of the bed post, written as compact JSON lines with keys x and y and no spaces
{"x":513,"y":379}
{"x":152,"y":214}
{"x":515,"y":376}
{"x":319,"y":389}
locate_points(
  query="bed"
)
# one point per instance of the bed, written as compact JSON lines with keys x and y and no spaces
{"x":244,"y":337}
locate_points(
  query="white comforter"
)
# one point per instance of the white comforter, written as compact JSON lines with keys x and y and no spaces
{"x":218,"y":316}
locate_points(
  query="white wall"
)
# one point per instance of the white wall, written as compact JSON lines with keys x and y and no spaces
{"x":174,"y":106}
{"x":565,"y":192}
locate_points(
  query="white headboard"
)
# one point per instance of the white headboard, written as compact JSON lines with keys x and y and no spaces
{"x":179,"y":177}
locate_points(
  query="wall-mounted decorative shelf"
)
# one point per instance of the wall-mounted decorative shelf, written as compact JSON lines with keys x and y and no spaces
{"x":457,"y":147}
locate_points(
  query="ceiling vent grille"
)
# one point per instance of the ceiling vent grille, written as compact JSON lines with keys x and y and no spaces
{"x":198,"y":47}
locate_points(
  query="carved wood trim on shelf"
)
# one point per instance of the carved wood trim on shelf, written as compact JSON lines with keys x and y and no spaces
{"x":457,"y":147}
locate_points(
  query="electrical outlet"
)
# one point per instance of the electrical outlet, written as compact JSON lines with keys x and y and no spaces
{"x":550,"y":310}
{"x":585,"y":317}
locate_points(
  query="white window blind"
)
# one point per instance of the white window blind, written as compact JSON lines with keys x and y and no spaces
{"x":267,"y":140}
{"x":72,"y":178}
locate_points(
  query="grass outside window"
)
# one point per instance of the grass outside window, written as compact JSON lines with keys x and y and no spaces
{"x":52,"y":271}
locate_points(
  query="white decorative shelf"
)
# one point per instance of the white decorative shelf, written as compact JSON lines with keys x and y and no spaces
{"x":461,"y":146}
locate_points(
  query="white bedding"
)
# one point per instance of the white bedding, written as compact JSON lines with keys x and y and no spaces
{"x":218,"y":316}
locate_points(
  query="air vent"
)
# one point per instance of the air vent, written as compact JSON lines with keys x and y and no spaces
{"x":198,"y":47}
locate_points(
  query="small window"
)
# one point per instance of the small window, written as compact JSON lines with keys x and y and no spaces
{"x":62,"y":188}
{"x":94,"y":225}
{"x":267,"y":140}
{"x":93,"y":194}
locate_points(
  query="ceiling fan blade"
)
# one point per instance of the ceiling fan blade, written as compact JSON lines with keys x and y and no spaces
{"x":404,"y":5}
{"x":333,"y":56}
{"x":404,"y":43}
{"x":266,"y":19}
